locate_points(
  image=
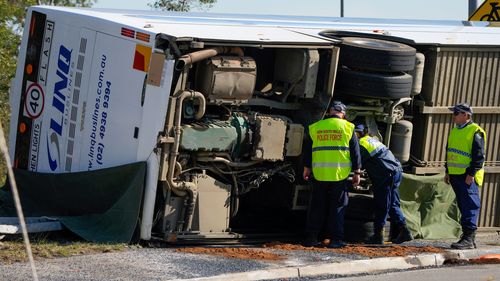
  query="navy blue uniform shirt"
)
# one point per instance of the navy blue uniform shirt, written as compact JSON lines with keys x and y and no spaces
{"x":379,"y":165}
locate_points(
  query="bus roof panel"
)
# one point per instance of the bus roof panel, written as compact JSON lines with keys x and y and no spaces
{"x":288,"y":29}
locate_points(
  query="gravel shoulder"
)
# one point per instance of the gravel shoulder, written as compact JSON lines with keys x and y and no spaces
{"x":178,"y":263}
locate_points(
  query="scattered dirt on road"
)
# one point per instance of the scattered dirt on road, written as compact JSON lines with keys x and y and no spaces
{"x":480,"y":260}
{"x":265,"y":254}
{"x":487,"y":259}
{"x":387,"y":251}
{"x":238,"y":253}
{"x":292,"y":247}
{"x":484,"y":261}
{"x":369,"y":251}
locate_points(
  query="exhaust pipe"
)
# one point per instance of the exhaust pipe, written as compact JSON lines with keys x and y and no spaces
{"x":189,"y":59}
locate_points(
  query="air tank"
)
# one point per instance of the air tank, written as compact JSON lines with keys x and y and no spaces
{"x":418,"y":74}
{"x":401,"y":140}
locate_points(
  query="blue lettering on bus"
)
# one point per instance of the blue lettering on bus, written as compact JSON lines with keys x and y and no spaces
{"x":58,"y":101}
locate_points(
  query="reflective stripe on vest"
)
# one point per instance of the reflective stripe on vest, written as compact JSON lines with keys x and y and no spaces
{"x":458,"y":154}
{"x":372,"y":145}
{"x":331,"y":157}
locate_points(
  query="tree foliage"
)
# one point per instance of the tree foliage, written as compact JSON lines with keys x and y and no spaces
{"x":11,"y":19}
{"x":182,"y":5}
{"x":68,"y":3}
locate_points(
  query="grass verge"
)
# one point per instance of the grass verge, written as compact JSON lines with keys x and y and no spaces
{"x":13,"y":250}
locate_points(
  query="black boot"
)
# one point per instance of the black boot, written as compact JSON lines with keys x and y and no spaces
{"x":467,"y":240}
{"x":336,"y":244}
{"x":377,"y":237}
{"x":311,"y":240}
{"x":404,"y":235}
{"x":394,"y":231}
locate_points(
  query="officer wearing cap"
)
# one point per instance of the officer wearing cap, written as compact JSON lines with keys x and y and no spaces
{"x":464,"y":170}
{"x":385,"y":172}
{"x":331,"y":153}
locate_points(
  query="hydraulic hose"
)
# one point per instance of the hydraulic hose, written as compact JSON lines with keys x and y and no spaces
{"x":189,"y":59}
{"x":179,"y":187}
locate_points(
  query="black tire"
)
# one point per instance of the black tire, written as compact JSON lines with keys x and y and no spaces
{"x":357,"y":230}
{"x":376,"y":55}
{"x":374,"y":85}
{"x":360,"y":207}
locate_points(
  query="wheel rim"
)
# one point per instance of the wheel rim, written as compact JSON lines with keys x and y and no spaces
{"x":374,"y":43}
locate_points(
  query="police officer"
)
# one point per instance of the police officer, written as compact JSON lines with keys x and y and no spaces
{"x":385,"y":172}
{"x":464,"y":170}
{"x":332,"y":151}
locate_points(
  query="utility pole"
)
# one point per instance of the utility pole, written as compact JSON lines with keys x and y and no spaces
{"x":342,"y":8}
{"x":472,"y":6}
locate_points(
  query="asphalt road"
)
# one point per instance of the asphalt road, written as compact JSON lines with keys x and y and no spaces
{"x":489,"y":272}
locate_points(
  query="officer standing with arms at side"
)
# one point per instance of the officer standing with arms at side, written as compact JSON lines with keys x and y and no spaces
{"x":465,"y":155}
{"x":385,"y":172}
{"x":332,"y":151}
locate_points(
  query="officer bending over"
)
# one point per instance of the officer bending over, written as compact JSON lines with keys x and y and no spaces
{"x":385,"y":172}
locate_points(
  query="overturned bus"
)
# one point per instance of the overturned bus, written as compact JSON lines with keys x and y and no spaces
{"x":217,"y":105}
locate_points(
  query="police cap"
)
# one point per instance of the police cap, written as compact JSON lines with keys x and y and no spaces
{"x":461,"y":107}
{"x":359,"y":128}
{"x":338,"y":106}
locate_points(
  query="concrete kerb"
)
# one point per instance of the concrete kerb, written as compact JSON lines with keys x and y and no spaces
{"x":354,"y":267}
{"x":368,"y":266}
{"x":471,"y":254}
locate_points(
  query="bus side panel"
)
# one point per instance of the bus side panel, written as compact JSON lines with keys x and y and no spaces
{"x":66,"y":83}
{"x":114,"y":106}
{"x":77,"y":99}
{"x":156,"y":101}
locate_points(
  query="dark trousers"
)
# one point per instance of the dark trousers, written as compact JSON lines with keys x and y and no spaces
{"x":468,"y":201}
{"x":386,"y":198}
{"x":329,"y":200}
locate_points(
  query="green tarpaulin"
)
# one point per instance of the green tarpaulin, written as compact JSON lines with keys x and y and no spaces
{"x":99,"y":206}
{"x":430,"y":207}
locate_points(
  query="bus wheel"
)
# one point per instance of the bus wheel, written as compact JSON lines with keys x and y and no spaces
{"x":374,"y":85}
{"x":376,"y":55}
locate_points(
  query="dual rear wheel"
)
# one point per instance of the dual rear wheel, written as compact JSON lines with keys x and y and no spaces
{"x":374,"y":68}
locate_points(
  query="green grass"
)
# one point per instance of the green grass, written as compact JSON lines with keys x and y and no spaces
{"x":46,"y":248}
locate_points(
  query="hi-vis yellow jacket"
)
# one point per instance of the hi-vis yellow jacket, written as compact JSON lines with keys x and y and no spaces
{"x":458,"y":155}
{"x":331,"y":157}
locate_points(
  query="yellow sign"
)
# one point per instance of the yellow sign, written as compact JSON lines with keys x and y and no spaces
{"x":488,"y":11}
{"x":142,"y":57}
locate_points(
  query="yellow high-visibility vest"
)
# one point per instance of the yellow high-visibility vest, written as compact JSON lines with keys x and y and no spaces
{"x":458,"y":155}
{"x":331,"y":157}
{"x":372,"y":145}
